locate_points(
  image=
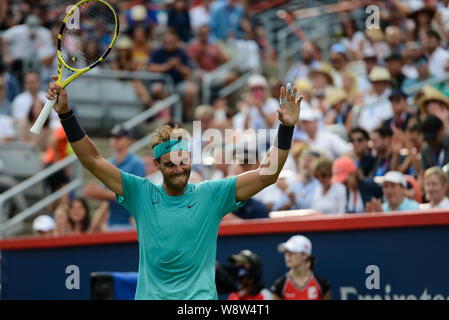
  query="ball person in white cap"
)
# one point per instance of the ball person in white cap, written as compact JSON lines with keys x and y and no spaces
{"x":300,"y":282}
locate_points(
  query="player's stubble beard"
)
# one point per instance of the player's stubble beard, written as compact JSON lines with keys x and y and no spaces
{"x":177,"y":181}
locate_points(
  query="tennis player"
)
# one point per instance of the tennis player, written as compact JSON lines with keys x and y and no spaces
{"x":177,"y":222}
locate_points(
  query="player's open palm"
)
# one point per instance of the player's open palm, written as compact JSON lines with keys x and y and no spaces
{"x":290,"y":106}
{"x":55,"y":91}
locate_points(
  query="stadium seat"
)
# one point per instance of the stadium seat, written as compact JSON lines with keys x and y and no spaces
{"x":21,"y":161}
{"x":101,"y":104}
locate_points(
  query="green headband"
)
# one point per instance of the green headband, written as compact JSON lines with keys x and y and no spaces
{"x":169,"y":146}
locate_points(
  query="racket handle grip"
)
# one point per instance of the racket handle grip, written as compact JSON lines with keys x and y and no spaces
{"x":43,"y":116}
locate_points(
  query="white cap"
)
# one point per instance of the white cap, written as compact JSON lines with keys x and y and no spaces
{"x":257,"y":80}
{"x":296,"y":244}
{"x":309,"y":114}
{"x":43,"y":223}
{"x":395,"y":177}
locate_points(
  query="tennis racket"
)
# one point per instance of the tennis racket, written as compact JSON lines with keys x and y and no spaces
{"x":87,"y":34}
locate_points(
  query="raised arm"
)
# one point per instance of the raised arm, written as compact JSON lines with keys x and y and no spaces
{"x":83,"y":147}
{"x":251,"y":182}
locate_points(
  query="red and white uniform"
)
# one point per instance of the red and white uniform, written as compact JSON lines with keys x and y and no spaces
{"x":314,"y":289}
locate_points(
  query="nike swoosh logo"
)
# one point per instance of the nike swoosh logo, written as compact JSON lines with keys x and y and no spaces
{"x":192,"y":205}
{"x":154,"y":202}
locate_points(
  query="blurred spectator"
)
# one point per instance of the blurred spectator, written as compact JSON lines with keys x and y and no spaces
{"x":79,"y":216}
{"x":260,"y":109}
{"x":121,"y":139}
{"x":422,"y":19}
{"x":319,"y":138}
{"x":209,"y":57}
{"x":329,"y":196}
{"x":300,"y":282}
{"x":43,"y":139}
{"x":11,"y":84}
{"x":299,"y":192}
{"x":365,"y":161}
{"x":124,"y":62}
{"x":6,"y":15}
{"x":359,"y":191}
{"x":436,"y":186}
{"x":394,"y":189}
{"x":140,"y":48}
{"x":338,"y":112}
{"x":423,"y":72}
{"x":25,"y":44}
{"x":7,"y":129}
{"x":140,"y":14}
{"x":44,"y":225}
{"x":300,"y":70}
{"x":379,"y":108}
{"x":225,"y":17}
{"x":321,"y":76}
{"x":393,"y":64}
{"x":61,"y":215}
{"x":339,"y":61}
{"x":401,"y":115}
{"x":395,"y":39}
{"x":304,"y":88}
{"x":434,"y":103}
{"x":24,"y":101}
{"x":179,"y":19}
{"x":200,"y":14}
{"x":387,"y":148}
{"x":435,"y":151}
{"x":353,"y":40}
{"x":351,"y":87}
{"x":438,"y":57}
{"x":173,"y":61}
{"x":375,"y":46}
{"x":249,"y":273}
{"x":412,"y":52}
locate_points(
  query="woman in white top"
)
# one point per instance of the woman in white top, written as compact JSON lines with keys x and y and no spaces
{"x":436,"y":186}
{"x":329,"y":197}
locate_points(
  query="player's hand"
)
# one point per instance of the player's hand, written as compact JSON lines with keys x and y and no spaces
{"x":290,"y":106}
{"x":56,"y":92}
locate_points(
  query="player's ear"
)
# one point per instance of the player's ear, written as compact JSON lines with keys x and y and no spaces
{"x":156,"y":163}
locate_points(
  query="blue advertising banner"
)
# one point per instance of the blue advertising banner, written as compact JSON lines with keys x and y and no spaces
{"x":366,"y":263}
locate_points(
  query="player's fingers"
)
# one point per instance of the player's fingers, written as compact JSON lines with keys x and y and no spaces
{"x":289,"y":91}
{"x":293,"y":94}
{"x":282,"y":98}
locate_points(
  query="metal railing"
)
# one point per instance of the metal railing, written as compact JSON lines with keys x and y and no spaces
{"x":8,"y":226}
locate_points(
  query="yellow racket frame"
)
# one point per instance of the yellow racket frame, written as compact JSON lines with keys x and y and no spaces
{"x":61,"y":61}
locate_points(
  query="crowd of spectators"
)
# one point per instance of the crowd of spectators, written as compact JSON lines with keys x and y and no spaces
{"x":364,"y":143}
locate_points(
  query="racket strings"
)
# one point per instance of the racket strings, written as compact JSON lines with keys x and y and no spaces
{"x":87,"y":35}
